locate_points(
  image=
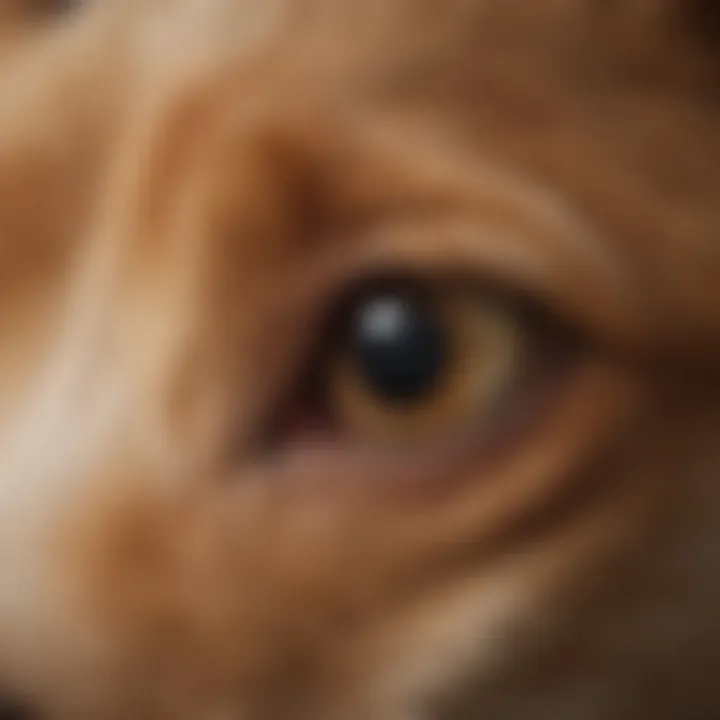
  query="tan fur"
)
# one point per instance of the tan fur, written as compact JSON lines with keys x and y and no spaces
{"x":184,"y":186}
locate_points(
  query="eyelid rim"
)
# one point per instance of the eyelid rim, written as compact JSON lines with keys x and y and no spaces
{"x":501,"y":261}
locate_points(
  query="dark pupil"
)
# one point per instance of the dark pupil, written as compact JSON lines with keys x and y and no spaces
{"x":400,"y":347}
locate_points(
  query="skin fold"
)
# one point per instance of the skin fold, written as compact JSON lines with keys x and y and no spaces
{"x":186,"y":188}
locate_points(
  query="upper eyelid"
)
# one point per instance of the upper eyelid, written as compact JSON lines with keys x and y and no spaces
{"x":490,"y":219}
{"x":528,"y":265}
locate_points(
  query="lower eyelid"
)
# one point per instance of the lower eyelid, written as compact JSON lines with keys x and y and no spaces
{"x":342,"y":469}
{"x":483,"y":438}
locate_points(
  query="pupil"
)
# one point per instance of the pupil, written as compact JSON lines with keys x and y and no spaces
{"x":399,"y":346}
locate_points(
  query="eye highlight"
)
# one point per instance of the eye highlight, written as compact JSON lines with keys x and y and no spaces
{"x":398,"y":347}
{"x":406,"y":362}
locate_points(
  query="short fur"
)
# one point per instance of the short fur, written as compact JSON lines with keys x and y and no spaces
{"x":181,"y":185}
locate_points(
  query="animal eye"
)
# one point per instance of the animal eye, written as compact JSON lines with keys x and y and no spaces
{"x":407,"y":362}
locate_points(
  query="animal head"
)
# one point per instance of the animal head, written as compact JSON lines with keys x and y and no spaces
{"x":359,"y":359}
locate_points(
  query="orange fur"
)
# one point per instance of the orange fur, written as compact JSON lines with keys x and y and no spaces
{"x":183,"y":186}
